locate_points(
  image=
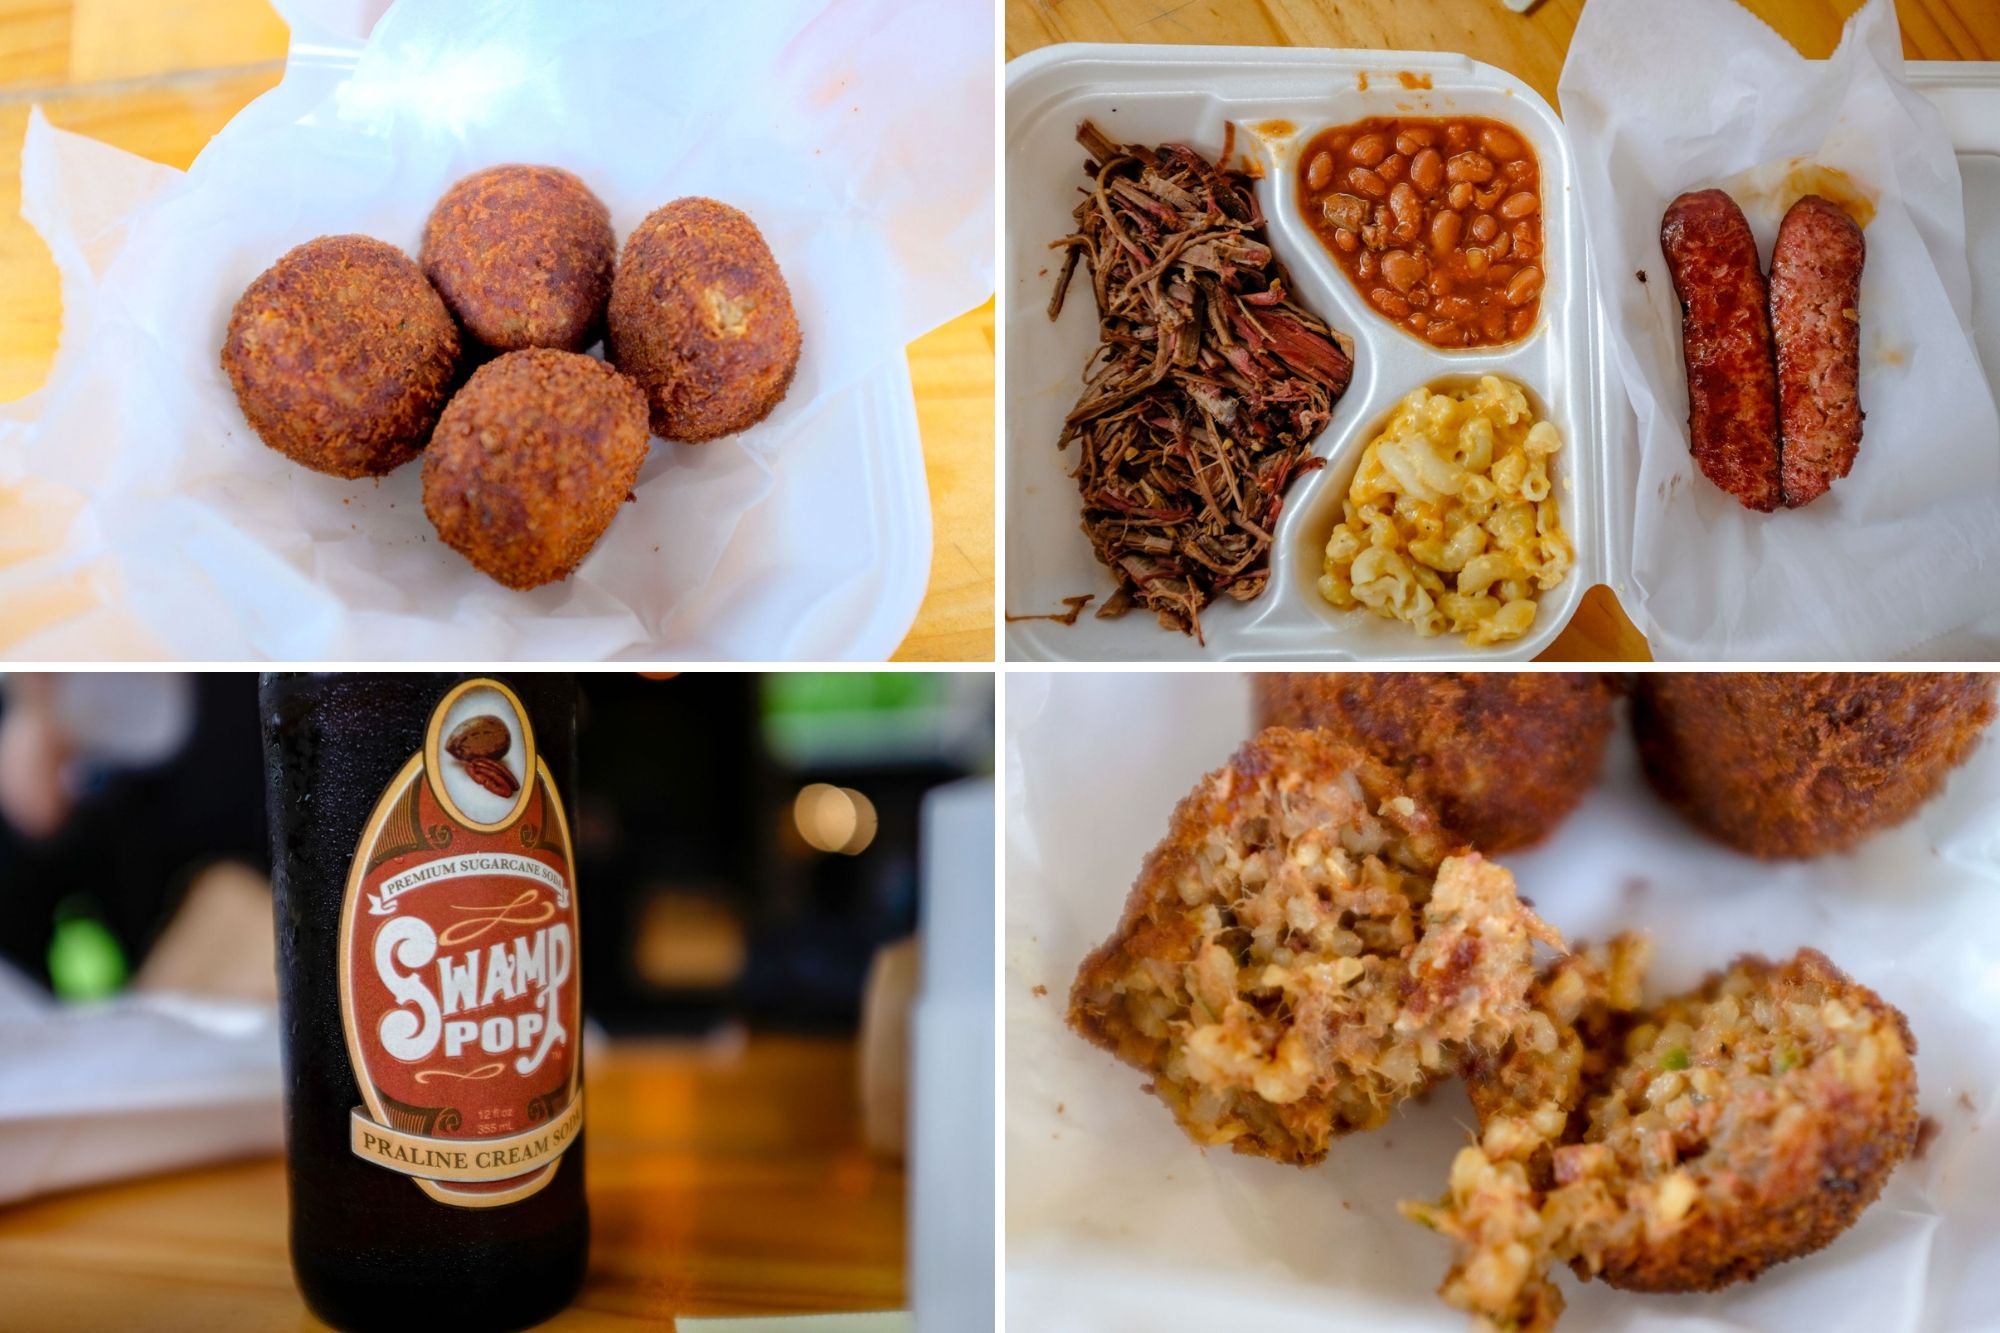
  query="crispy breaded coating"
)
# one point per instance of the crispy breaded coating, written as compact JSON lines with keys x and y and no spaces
{"x":701,"y":317}
{"x":532,"y":460}
{"x":523,"y":256}
{"x":1740,"y":1125}
{"x":1502,"y":756}
{"x":1800,"y":764}
{"x":342,"y":356}
{"x":1299,"y":955}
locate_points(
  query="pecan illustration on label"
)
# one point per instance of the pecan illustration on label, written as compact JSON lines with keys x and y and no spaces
{"x":493,"y":775}
{"x":481,"y":737}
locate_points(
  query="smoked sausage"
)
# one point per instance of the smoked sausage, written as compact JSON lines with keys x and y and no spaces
{"x":1726,"y":343}
{"x":1815,"y":317}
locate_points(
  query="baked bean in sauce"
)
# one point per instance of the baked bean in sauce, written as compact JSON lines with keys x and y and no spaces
{"x":1438,"y":222}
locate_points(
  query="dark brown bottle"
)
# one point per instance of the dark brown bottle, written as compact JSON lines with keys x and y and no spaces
{"x":427,"y":978}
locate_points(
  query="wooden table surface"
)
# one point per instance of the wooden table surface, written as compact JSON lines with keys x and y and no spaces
{"x":159,"y":78}
{"x":1529,"y":46}
{"x":720,"y":1184}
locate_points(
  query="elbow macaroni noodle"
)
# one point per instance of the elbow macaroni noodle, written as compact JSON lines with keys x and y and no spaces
{"x":1452,"y":520}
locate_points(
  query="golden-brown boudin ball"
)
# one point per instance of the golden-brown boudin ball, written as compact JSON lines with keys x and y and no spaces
{"x":1501,"y":756}
{"x":1300,"y":954}
{"x":342,"y":356}
{"x":1798,"y":1100}
{"x":523,"y":256}
{"x":531,"y":461}
{"x":1683,"y":1147}
{"x":700,"y":316}
{"x":1796,"y":764}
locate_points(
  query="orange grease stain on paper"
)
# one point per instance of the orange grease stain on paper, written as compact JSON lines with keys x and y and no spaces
{"x":1361,"y":81}
{"x":1776,"y":187}
{"x":1409,"y":80}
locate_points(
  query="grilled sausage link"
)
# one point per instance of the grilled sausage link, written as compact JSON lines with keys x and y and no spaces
{"x":1815,"y":317}
{"x":1726,"y":343}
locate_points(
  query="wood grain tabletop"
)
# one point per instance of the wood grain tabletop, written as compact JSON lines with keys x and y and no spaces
{"x":721,"y":1183}
{"x":160,"y":79}
{"x":1530,"y":46}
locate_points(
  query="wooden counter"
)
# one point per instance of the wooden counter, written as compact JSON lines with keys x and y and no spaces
{"x":160,"y":79}
{"x":1530,"y":46}
{"x":721,"y":1183}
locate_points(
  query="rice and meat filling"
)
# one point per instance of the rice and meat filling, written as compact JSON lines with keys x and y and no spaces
{"x":1740,"y":1125}
{"x":1299,"y":954}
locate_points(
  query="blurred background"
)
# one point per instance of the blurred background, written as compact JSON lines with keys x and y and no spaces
{"x":748,"y":842}
{"x":758,"y":855}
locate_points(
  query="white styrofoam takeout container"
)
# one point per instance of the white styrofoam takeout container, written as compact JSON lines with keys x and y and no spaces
{"x":1161,"y":94}
{"x":1967,"y":94}
{"x":1157,"y":94}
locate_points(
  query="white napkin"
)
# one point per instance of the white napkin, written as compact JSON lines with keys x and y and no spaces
{"x":1661,"y":98}
{"x":952,"y":1083}
{"x":856,"y":133}
{"x":136,"y":1085}
{"x":1116,"y":1221}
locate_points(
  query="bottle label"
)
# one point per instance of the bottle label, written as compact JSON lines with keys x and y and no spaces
{"x":458,"y":965}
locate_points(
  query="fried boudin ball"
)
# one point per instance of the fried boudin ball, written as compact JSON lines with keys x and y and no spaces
{"x":523,"y":256}
{"x":1300,"y":954}
{"x":342,"y":356}
{"x":531,"y":461}
{"x":700,"y":316}
{"x":1501,"y":756}
{"x":1793,"y":764}
{"x":1679,"y":1149}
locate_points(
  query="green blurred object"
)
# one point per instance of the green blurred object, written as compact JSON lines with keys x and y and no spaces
{"x":817,"y":717}
{"x":790,"y":693}
{"x":85,"y":960}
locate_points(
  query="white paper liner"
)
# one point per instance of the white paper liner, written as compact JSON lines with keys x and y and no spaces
{"x":1662,"y":98}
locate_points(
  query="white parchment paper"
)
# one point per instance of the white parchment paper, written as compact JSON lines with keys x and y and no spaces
{"x":135,"y":1085}
{"x":1115,"y":1221}
{"x":856,"y":133}
{"x":1661,"y":98}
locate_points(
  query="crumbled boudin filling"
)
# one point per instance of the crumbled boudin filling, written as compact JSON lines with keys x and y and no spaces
{"x":1494,"y":1214}
{"x":1525,"y":1097}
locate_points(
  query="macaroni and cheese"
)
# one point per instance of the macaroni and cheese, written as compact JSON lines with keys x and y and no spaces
{"x":1452,"y":520}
